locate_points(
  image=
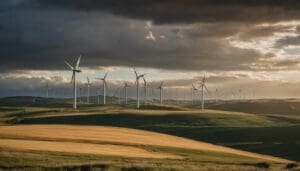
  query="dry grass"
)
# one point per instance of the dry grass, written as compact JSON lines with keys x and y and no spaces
{"x":84,"y":148}
{"x":117,"y":135}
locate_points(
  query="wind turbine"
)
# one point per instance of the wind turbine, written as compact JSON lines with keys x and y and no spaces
{"x":75,"y":70}
{"x":119,"y":90}
{"x":88,"y":90}
{"x":145,"y":88}
{"x":137,"y":80}
{"x":104,"y":87}
{"x":126,"y":85}
{"x":194,"y":89}
{"x":203,"y":86}
{"x":160,"y":87}
{"x":217,"y":93}
{"x":47,"y":90}
{"x":80,"y":89}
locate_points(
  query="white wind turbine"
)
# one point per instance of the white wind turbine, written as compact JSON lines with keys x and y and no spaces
{"x":104,"y":87}
{"x":80,"y":90}
{"x":88,"y":84}
{"x":216,"y":95}
{"x":75,"y":70}
{"x":194,"y":89}
{"x":126,"y":85}
{"x":137,"y":80}
{"x":119,"y":90}
{"x":203,"y":86}
{"x":47,"y":90}
{"x":160,"y":87}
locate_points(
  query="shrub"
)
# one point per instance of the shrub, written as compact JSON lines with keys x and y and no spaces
{"x":264,"y":165}
{"x":291,"y":165}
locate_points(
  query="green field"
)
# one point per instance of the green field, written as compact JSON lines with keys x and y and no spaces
{"x":275,"y":134}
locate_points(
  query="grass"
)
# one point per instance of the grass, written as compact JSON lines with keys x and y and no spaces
{"x":37,"y":160}
{"x":215,"y":127}
{"x":260,"y":106}
{"x":271,"y":133}
{"x":41,"y":146}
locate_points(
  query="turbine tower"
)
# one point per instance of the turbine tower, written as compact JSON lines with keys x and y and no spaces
{"x":161,"y":92}
{"x":145,"y":89}
{"x":217,"y":94}
{"x":119,"y":90}
{"x":47,"y":90}
{"x":88,"y":90}
{"x":126,"y":85}
{"x":104,"y":87}
{"x":80,"y":89}
{"x":137,"y":80}
{"x":194,"y":89}
{"x":75,"y":70}
{"x":203,"y":86}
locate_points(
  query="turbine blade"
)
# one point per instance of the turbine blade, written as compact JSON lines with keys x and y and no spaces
{"x":135,"y":83}
{"x":72,"y":79}
{"x":78,"y":61}
{"x":194,"y":87}
{"x":88,"y":80}
{"x":206,"y":88}
{"x":105,"y":75}
{"x":135,"y":73}
{"x":161,"y":84}
{"x":69,"y":65}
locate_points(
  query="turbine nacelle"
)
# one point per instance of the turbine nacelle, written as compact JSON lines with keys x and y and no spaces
{"x":138,"y":77}
{"x":161,"y":85}
{"x":77,"y":70}
{"x":194,"y":88}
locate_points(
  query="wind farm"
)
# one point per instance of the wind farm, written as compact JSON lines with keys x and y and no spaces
{"x":149,"y":85}
{"x":97,"y":123}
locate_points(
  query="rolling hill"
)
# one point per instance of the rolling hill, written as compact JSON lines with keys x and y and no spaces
{"x":54,"y":135}
{"x":121,"y":142}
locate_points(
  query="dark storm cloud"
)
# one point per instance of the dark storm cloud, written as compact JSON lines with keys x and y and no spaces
{"x":178,"y":11}
{"x":262,"y":31}
{"x":40,"y":34}
{"x":37,"y":39}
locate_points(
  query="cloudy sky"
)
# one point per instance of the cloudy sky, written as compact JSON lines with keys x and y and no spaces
{"x":249,"y":46}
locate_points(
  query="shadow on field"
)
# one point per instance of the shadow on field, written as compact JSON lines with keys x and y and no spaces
{"x":260,"y":106}
{"x":278,"y":141}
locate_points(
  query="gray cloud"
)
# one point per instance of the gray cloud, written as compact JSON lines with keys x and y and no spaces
{"x":41,"y":34}
{"x":43,"y":39}
{"x":189,"y":11}
{"x":287,"y":41}
{"x":262,"y":31}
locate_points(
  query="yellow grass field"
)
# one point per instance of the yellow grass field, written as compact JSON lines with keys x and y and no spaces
{"x":106,"y":141}
{"x":84,"y":148}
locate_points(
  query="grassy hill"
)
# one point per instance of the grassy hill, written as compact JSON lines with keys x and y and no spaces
{"x":260,"y":106}
{"x":271,"y":134}
{"x":88,"y":145}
